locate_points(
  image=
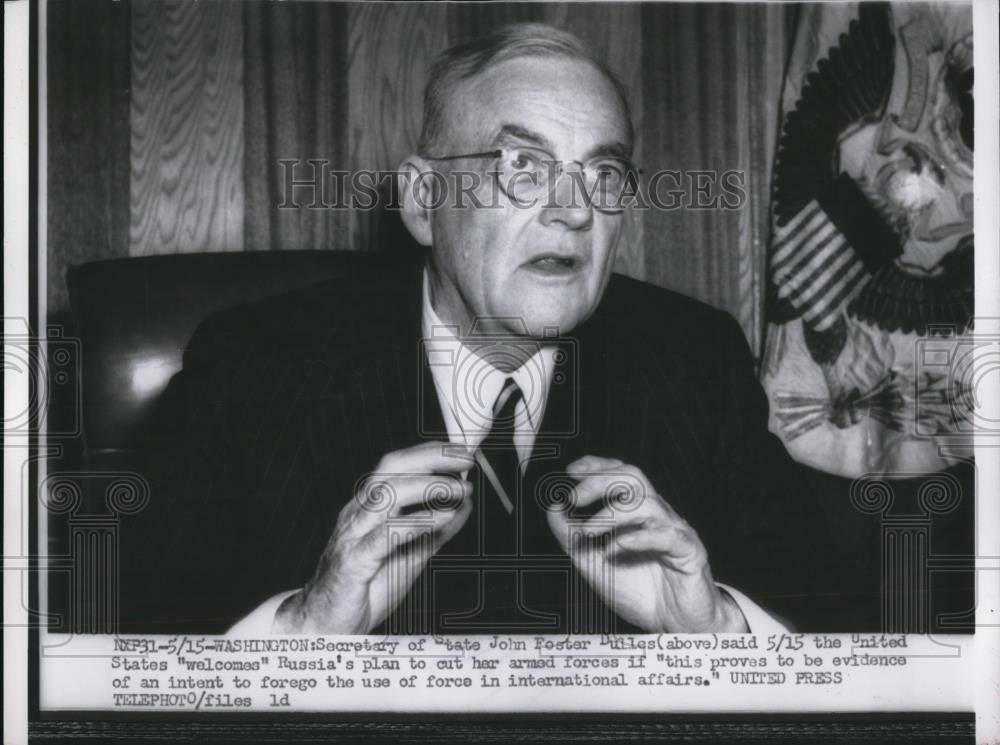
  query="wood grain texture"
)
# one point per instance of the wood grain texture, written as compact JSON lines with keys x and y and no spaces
{"x":391,"y":49}
{"x":468,"y":21}
{"x":186,"y":185}
{"x":87,"y":89}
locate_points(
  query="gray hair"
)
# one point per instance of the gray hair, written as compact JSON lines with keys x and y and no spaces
{"x":465,"y":61}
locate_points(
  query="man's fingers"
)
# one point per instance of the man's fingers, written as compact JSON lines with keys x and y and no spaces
{"x":672,"y":542}
{"x":397,"y":510}
{"x":427,"y":457}
{"x":623,"y":486}
{"x":664,"y":534}
{"x":559,"y":525}
{"x":592,"y":464}
{"x":449,"y":528}
{"x":378,"y":500}
{"x":409,"y":553}
{"x":424,"y":475}
{"x":388,"y":495}
{"x":384,"y":539}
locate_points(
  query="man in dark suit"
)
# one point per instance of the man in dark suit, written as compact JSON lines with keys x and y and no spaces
{"x":499,"y":436}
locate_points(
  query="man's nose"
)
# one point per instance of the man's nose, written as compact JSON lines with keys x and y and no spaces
{"x":567,"y":205}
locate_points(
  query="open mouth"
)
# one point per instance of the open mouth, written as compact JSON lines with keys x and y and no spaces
{"x":551,"y":263}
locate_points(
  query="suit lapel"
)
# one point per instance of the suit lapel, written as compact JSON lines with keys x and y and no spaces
{"x":388,"y":366}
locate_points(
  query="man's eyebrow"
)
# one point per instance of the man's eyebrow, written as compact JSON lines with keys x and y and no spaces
{"x":517,"y":132}
{"x":611,"y":150}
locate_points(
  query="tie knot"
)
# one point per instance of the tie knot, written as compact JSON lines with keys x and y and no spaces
{"x":506,"y":403}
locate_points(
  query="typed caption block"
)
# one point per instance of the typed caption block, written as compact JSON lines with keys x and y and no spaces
{"x":521,"y":673}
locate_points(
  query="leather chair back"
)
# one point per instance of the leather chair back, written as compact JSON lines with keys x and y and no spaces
{"x":135,"y":316}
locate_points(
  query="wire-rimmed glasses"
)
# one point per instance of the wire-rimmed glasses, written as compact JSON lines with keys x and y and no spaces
{"x":526,"y":173}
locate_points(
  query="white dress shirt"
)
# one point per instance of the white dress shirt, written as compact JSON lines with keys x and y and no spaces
{"x":467,"y":386}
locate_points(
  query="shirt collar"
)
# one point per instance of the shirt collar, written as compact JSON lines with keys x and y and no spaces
{"x":468,"y":385}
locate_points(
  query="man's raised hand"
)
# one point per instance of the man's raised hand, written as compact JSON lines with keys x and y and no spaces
{"x":643,"y":559}
{"x":367,"y":567}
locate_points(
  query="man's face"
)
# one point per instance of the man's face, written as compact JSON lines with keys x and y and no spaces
{"x":541,"y":266}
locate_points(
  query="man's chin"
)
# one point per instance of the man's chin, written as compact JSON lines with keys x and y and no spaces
{"x":549,"y":311}
{"x":546,"y":325}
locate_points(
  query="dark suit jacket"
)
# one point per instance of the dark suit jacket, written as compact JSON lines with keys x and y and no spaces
{"x":284,"y":404}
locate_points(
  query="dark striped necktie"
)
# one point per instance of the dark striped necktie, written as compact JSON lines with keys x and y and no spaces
{"x":500,"y":474}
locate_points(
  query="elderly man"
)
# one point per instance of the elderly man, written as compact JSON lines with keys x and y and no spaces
{"x":500,"y":437}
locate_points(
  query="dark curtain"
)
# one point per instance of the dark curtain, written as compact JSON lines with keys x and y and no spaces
{"x":295,"y":108}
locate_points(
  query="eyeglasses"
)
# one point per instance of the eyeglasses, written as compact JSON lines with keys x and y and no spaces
{"x":524,"y":174}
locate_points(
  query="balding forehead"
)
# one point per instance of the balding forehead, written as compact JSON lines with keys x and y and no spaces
{"x":476,"y":110}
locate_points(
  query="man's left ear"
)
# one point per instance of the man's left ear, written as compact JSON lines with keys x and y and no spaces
{"x":416,"y":194}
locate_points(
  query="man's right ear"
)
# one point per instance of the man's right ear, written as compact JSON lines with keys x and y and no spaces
{"x":416,"y":195}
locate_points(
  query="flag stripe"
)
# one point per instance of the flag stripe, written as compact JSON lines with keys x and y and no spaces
{"x":819,"y":297}
{"x":783,"y":234}
{"x":804,"y":236}
{"x":812,"y":264}
{"x":807,"y":259}
{"x":805,"y":289}
{"x":838,"y":295}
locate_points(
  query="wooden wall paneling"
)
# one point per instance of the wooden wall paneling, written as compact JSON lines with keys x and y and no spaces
{"x":468,"y":21}
{"x":719,"y":143}
{"x":295,"y":109}
{"x":391,"y":49}
{"x":186,"y":185}
{"x":615,"y":32}
{"x":87,"y":70}
{"x":666,"y":98}
{"x":689,"y":124}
